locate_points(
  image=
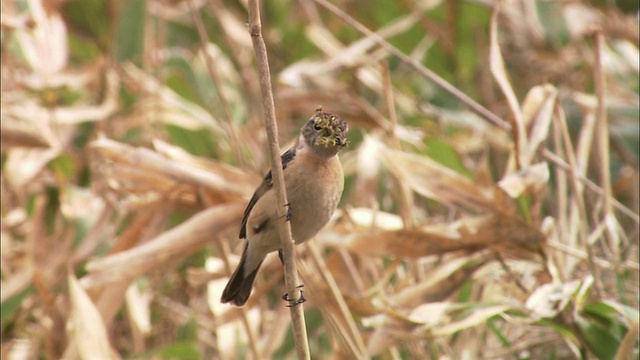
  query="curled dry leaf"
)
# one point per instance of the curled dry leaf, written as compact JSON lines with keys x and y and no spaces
{"x":550,"y":299}
{"x":435,"y":181}
{"x":531,"y":180}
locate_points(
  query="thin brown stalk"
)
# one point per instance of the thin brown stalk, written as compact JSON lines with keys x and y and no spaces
{"x":562,"y":165}
{"x":405,"y":194}
{"x":359,"y":347}
{"x":578,"y":193}
{"x":417,"y":66}
{"x":284,"y":228}
{"x":602,"y":131}
{"x":236,"y":144}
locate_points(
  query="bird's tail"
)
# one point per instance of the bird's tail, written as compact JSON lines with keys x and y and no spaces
{"x":240,"y":284}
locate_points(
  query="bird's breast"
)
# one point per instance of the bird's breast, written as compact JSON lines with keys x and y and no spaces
{"x":314,"y":188}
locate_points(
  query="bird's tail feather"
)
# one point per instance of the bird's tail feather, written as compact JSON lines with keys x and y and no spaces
{"x":240,"y":284}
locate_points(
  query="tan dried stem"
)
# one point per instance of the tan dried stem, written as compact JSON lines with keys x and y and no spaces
{"x":236,"y":144}
{"x":417,"y":66}
{"x":602,"y":141}
{"x":284,"y":228}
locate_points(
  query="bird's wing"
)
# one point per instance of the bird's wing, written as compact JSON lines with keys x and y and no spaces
{"x":267,"y":184}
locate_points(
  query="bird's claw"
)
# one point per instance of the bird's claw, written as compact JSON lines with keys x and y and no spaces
{"x":287,"y":216}
{"x":295,"y":302}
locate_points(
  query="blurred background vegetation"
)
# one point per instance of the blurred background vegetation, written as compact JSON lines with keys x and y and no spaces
{"x":132,"y":138}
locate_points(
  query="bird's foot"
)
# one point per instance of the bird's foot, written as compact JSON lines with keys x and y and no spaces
{"x":295,"y":302}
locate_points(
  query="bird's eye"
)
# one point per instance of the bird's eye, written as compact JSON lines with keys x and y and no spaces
{"x":317,"y":126}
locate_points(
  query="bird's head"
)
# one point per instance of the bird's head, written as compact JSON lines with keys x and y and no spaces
{"x":325,"y":133}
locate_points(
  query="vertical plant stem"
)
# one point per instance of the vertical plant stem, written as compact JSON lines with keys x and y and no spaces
{"x":602,"y":143}
{"x":236,"y":144}
{"x":601,"y":124}
{"x":284,"y":228}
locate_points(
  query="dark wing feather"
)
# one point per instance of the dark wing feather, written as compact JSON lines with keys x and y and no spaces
{"x":267,"y":183}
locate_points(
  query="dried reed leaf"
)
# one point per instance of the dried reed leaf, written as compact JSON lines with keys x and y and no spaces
{"x":169,"y":246}
{"x":440,"y":282}
{"x":52,"y":122}
{"x":44,"y":44}
{"x":234,"y":27}
{"x":340,"y":324}
{"x":508,"y":234}
{"x":83,"y":113}
{"x":499,"y":72}
{"x":170,"y":107}
{"x":433,"y":314}
{"x":500,"y":231}
{"x":138,"y":307}
{"x":24,"y":164}
{"x":381,"y":340}
{"x":371,"y":218}
{"x":435,"y":181}
{"x":411,"y":243}
{"x":344,"y":269}
{"x":17,"y":282}
{"x":627,"y":348}
{"x":550,"y":299}
{"x":477,"y":317}
{"x":232,"y":175}
{"x":16,"y":133}
{"x":225,"y":184}
{"x":367,"y":172}
{"x":537,"y":113}
{"x":89,"y":332}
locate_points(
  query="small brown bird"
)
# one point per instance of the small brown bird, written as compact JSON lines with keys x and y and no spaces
{"x":314,"y":182}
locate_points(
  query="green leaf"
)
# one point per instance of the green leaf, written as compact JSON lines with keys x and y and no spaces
{"x":9,"y":306}
{"x":178,"y":350}
{"x":130,"y":33}
{"x":613,"y":312}
{"x":444,"y":153}
{"x":601,"y":337}
{"x":64,"y":167}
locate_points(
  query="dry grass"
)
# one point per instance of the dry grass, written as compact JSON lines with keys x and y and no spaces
{"x":501,"y":227}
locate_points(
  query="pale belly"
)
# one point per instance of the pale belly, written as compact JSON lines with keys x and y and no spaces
{"x":313,"y":203}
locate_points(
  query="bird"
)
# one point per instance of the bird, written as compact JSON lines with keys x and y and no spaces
{"x":314,"y":182}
